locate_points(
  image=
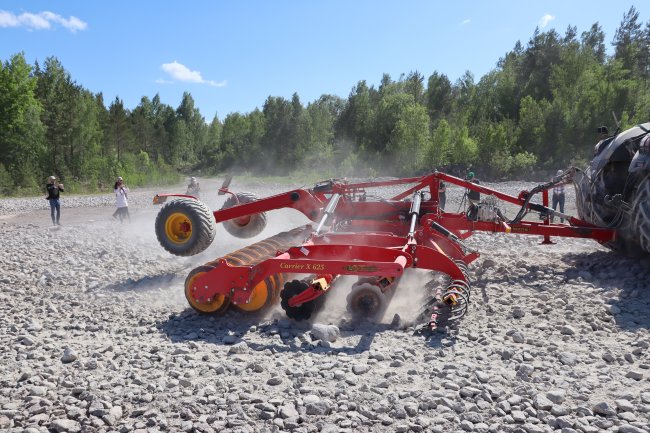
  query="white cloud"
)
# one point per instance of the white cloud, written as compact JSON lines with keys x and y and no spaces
{"x":7,"y":19}
{"x":40,"y":21}
{"x":543,"y":21}
{"x":181,"y":72}
{"x":467,"y":21}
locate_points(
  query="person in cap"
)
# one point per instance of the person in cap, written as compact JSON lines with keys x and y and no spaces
{"x":193,"y":188}
{"x":53,"y":190}
{"x":557,"y":199}
{"x":121,"y":200}
{"x":603,"y":139}
{"x":474,"y":197}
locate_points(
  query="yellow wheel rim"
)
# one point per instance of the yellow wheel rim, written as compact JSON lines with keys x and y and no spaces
{"x":258,"y":298}
{"x":217,"y":302}
{"x":178,"y":228}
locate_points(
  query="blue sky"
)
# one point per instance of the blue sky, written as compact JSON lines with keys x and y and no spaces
{"x":231,"y":55}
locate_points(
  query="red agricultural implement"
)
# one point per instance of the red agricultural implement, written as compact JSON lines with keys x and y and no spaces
{"x":376,"y":238}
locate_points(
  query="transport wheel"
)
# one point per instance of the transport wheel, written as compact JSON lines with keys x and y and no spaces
{"x":246,"y":226}
{"x":260,"y":298}
{"x":185,"y":227}
{"x":299,"y":312}
{"x":218,"y":304}
{"x":367,"y":300}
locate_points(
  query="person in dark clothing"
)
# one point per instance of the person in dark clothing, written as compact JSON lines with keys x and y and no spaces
{"x":53,"y":190}
{"x":603,"y":139}
{"x":474,"y":197}
{"x":558,"y":197}
{"x":442,"y":194}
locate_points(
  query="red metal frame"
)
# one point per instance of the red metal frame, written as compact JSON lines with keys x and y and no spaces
{"x":318,"y":287}
{"x":371,"y":237}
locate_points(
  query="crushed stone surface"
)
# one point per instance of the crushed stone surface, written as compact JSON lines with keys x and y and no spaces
{"x":96,"y":336}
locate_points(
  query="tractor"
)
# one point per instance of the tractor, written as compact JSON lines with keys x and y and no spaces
{"x":614,"y":191}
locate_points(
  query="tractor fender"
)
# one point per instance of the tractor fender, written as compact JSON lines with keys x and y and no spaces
{"x":619,"y":148}
{"x":640,"y":163}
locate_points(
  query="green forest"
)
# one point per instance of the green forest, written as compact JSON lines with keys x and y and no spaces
{"x":536,"y":111}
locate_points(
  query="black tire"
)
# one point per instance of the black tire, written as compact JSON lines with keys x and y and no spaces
{"x":633,"y":229}
{"x":633,"y":236}
{"x":244,"y":228}
{"x":300,"y":312}
{"x":185,"y":227}
{"x":366,"y":300}
{"x":641,"y":216}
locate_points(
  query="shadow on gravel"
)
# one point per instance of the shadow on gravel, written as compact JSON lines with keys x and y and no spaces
{"x":622,"y":282}
{"x":146,"y":283}
{"x":277,"y":334}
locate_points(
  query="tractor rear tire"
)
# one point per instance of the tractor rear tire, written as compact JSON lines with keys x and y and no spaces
{"x":185,"y":227}
{"x":633,"y":236}
{"x":641,"y":216}
{"x":247,"y":226}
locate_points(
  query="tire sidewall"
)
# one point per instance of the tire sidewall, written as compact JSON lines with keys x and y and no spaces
{"x":257,"y":222}
{"x":191,"y":245}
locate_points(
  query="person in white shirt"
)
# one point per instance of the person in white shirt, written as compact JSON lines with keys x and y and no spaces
{"x":121,"y":200}
{"x":193,"y":188}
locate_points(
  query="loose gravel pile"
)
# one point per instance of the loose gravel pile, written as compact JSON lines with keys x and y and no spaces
{"x":96,"y":336}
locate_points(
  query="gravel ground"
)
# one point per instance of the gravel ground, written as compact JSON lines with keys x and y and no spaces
{"x":96,"y":336}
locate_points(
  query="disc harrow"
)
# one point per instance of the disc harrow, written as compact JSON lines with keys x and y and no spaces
{"x":264,"y":293}
{"x":376,"y":238}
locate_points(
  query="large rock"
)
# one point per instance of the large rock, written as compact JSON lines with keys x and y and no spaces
{"x":314,"y":405}
{"x":65,"y":425}
{"x":542,"y":403}
{"x":325,"y":332}
{"x":604,"y":408}
{"x":238,"y":348}
{"x":69,"y":355}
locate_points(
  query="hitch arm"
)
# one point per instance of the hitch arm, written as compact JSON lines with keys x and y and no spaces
{"x":298,"y":199}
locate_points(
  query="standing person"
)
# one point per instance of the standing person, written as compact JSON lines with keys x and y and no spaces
{"x":474,"y":197}
{"x":558,"y":195}
{"x":442,"y":194}
{"x":121,"y":200}
{"x":603,"y":135}
{"x":193,"y":188}
{"x":53,"y":190}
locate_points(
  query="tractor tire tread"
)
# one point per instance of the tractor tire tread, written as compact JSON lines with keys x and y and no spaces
{"x":203,"y":226}
{"x":256,"y":224}
{"x":641,"y":215}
